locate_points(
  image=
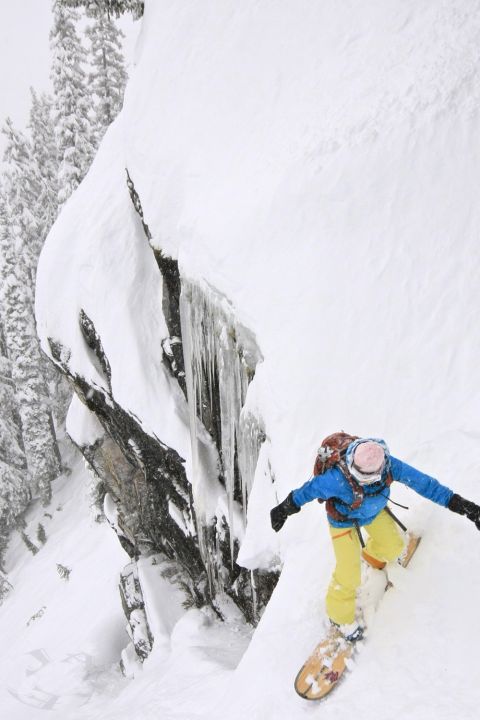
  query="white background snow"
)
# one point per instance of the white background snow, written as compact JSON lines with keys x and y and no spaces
{"x":318,"y":163}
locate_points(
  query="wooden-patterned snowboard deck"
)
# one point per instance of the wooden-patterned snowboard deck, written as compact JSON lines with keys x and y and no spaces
{"x":324,"y":667}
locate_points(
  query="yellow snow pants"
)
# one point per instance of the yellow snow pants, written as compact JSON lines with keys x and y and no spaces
{"x":385,"y":543}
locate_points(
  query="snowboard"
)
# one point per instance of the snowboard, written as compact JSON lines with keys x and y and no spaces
{"x":326,"y":665}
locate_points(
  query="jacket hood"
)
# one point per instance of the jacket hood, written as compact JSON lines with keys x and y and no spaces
{"x":353,"y":446}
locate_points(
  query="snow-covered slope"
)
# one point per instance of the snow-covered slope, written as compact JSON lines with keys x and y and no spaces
{"x":318,"y":164}
{"x":62,"y":636}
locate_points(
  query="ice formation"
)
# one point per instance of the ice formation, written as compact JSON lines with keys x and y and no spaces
{"x":220,"y":360}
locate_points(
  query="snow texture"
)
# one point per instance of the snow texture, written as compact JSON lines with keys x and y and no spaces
{"x":82,"y":425}
{"x":317,"y":164}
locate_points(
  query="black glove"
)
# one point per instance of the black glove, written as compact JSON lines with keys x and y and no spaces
{"x":461,"y":506}
{"x":280,"y":513}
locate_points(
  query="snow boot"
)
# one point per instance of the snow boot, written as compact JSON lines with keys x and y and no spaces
{"x":352,"y":632}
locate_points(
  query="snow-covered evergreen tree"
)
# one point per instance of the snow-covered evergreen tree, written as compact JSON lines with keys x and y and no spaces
{"x":45,"y":163}
{"x":108,"y":7}
{"x":72,"y":101}
{"x":14,"y":492}
{"x":21,"y":342}
{"x":25,"y":191}
{"x":45,"y":160}
{"x":108,"y":76}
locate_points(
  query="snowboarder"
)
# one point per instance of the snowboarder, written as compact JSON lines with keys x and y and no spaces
{"x":356,"y":490}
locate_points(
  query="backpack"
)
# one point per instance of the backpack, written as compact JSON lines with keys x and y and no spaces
{"x":332,"y":453}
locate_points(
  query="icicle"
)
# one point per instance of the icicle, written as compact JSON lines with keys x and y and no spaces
{"x":191,"y":375}
{"x":220,"y":360}
{"x":251,"y":436}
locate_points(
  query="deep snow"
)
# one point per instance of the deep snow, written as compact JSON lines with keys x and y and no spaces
{"x":62,"y":639}
{"x":318,"y":164}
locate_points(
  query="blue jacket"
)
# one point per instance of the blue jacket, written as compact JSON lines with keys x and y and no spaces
{"x":333,"y":484}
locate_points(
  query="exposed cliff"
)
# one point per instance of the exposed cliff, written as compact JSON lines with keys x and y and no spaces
{"x":185,"y":494}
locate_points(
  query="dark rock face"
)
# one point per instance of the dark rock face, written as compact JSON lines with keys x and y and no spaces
{"x":147,"y":481}
{"x":142,"y":474}
{"x":172,"y":346}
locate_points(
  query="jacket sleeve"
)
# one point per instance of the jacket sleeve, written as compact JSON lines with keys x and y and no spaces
{"x":319,"y":486}
{"x":423,"y":484}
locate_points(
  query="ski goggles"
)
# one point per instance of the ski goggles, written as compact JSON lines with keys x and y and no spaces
{"x":367,"y":478}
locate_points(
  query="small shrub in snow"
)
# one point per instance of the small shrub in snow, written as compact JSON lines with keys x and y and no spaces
{"x":5,"y":587}
{"x":37,"y":615}
{"x":41,"y":534}
{"x":63,"y":571}
{"x":30,"y":545}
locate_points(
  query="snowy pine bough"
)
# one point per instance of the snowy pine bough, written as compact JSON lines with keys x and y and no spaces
{"x":109,"y":8}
